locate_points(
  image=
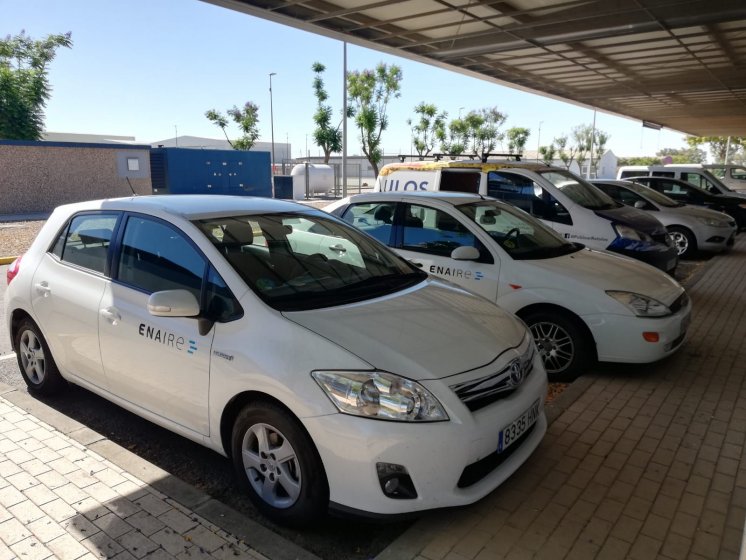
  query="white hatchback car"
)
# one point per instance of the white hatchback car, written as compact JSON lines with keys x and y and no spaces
{"x":580,"y":304}
{"x":332,"y":371}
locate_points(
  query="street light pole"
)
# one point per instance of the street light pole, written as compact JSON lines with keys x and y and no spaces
{"x":538,"y":142}
{"x":272,"y":122}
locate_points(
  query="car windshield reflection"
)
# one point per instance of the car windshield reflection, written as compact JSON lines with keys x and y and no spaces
{"x":307,"y":261}
{"x":520,"y":235}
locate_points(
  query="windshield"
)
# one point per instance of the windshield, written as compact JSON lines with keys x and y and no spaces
{"x":659,"y":198}
{"x":307,"y":261}
{"x":579,"y":191}
{"x":520,"y":235}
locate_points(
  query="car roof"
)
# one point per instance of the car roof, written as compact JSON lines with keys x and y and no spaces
{"x":489,"y":165}
{"x":192,"y":207}
{"x":449,"y":197}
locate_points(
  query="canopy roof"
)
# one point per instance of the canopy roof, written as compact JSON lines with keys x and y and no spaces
{"x":678,"y":64}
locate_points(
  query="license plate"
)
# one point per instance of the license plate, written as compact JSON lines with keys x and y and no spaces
{"x":510,"y":433}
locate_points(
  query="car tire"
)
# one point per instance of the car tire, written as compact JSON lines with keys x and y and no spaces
{"x":684,"y":241}
{"x":35,"y":360}
{"x":278,"y":465}
{"x":565,"y":348}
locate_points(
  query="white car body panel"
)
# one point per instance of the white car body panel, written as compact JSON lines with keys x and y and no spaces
{"x":577,"y":282}
{"x":162,"y":369}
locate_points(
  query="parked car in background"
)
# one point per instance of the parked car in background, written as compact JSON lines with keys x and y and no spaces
{"x":691,"y":228}
{"x":580,"y":304}
{"x":563,"y":201}
{"x":333,"y":372}
{"x":687,"y":193}
{"x":694,"y":173}
{"x":733,"y":176}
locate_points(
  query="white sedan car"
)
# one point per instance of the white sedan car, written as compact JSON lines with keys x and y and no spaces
{"x":580,"y":304}
{"x":332,"y":371}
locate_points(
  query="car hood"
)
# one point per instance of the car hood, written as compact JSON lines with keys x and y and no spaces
{"x":608,"y":271}
{"x":634,"y":218}
{"x":700,"y":212}
{"x":430,"y":331}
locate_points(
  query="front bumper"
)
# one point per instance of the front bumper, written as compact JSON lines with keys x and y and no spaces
{"x":436,"y":455}
{"x":619,"y":338}
{"x":713,"y":239}
{"x":663,"y":257}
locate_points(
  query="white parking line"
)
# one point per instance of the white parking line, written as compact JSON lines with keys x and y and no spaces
{"x":10,"y":356}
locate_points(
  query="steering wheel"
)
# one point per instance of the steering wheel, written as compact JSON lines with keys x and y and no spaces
{"x":515,"y":232}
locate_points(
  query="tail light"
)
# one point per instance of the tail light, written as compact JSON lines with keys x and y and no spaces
{"x":13,"y":269}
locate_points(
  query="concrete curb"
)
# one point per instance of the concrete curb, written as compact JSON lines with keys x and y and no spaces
{"x":252,"y":533}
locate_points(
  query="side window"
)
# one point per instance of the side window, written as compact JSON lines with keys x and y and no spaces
{"x":221,"y":304}
{"x":156,"y":257}
{"x":738,"y":173}
{"x":631,"y":198}
{"x":85,"y":242}
{"x":697,"y":180}
{"x":375,"y":219}
{"x":524,"y":193}
{"x":670,"y":174}
{"x":460,"y":181}
{"x":439,"y":233}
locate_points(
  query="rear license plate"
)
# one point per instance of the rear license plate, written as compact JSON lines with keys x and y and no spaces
{"x":510,"y":433}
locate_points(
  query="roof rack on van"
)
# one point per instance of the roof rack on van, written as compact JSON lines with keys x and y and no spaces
{"x":438,"y":156}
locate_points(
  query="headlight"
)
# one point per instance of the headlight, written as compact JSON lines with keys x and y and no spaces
{"x":384,"y":396}
{"x":640,"y":305}
{"x":712,"y":222}
{"x":627,"y":232}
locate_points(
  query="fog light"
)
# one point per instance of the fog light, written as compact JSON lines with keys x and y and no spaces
{"x":651,"y":336}
{"x":716,"y":239}
{"x":395,"y":481}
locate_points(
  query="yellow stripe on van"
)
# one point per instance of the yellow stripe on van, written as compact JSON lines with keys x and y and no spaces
{"x":460,"y":164}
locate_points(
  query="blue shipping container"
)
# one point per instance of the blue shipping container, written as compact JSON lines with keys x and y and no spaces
{"x":191,"y":171}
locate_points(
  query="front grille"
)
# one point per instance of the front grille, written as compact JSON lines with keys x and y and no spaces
{"x":680,"y":303}
{"x":481,"y":392}
{"x":477,"y":471}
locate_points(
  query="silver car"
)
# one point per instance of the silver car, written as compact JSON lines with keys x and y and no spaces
{"x":691,"y":228}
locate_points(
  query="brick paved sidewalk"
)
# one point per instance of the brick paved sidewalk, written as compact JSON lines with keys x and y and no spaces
{"x":648,"y":462}
{"x":59,"y":499}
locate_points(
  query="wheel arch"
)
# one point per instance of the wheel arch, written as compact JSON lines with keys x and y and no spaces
{"x":554,"y":308}
{"x":234,"y":407}
{"x":16,"y":316}
{"x":686,"y":229}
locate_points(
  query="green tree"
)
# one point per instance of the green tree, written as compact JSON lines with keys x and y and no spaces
{"x":483,"y":130}
{"x":326,"y":136}
{"x":369,"y":94}
{"x":682,"y":155}
{"x":425,"y":130}
{"x":719,"y":145}
{"x":548,"y":153}
{"x":24,"y":85}
{"x":247,"y":120}
{"x":517,"y":138}
{"x":639,"y":160}
{"x":452,"y":137}
{"x":565,"y":151}
{"x":589,"y":141}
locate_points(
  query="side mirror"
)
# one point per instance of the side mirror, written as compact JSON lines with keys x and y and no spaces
{"x":465,"y":253}
{"x":173,"y":303}
{"x":639,"y":204}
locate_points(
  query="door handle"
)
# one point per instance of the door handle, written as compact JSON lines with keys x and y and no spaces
{"x":339,"y":248}
{"x":43,"y":288}
{"x":111,"y":315}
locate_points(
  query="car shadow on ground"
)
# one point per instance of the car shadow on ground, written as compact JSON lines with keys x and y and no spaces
{"x":333,"y":538}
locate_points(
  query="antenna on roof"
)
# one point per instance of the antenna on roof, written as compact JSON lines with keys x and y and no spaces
{"x":131,"y":188}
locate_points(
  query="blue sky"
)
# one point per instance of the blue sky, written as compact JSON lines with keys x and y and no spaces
{"x":146,"y":68}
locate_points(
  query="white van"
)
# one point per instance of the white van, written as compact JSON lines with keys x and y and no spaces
{"x":733,"y":176}
{"x":570,"y":205}
{"x":696,"y":174}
